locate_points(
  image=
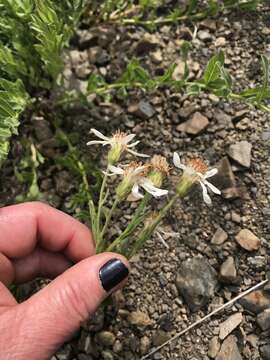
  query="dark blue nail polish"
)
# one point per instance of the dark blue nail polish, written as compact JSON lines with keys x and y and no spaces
{"x":112,"y":273}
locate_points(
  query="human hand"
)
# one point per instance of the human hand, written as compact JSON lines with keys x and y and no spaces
{"x":37,"y":240}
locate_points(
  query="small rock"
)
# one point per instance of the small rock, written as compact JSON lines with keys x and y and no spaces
{"x":223,"y":119}
{"x":179,"y":70}
{"x":265,"y":135}
{"x":221,"y":41}
{"x":186,"y":111}
{"x":263,"y":319}
{"x":219,"y":237}
{"x":228,"y":272}
{"x":196,"y":281}
{"x":160,"y":337}
{"x":145,"y":345}
{"x":195,"y":125}
{"x":214,"y":347}
{"x":225,"y":180}
{"x":235,"y":217}
{"x":143,"y":110}
{"x":107,"y":355}
{"x":98,"y":56}
{"x":157,"y":57}
{"x":241,"y":153}
{"x":247,"y":240}
{"x":229,"y":350}
{"x":139,"y":318}
{"x":229,"y":325}
{"x":265,"y":352}
{"x":105,"y":338}
{"x":239,"y":115}
{"x":204,"y":35}
{"x":265,"y":30}
{"x":256,"y":302}
{"x":209,"y":24}
{"x":148,"y":43}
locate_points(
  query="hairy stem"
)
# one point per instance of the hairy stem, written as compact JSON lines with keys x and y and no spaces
{"x":131,"y":226}
{"x":148,"y":230}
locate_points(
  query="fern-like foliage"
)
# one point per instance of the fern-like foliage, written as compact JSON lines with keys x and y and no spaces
{"x":33,"y":34}
{"x":13,"y":100}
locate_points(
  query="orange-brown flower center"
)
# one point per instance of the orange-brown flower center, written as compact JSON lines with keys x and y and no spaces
{"x":198,"y":165}
{"x":160,"y":163}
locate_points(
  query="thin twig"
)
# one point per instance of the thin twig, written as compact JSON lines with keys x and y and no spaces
{"x":232,"y":301}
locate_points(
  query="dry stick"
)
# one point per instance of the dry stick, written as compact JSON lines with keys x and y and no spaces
{"x":205,"y":318}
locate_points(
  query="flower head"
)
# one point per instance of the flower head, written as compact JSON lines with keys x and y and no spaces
{"x":159,"y":169}
{"x":196,"y":171}
{"x":134,"y":177}
{"x":119,"y":142}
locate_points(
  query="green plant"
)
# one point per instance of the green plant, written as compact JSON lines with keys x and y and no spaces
{"x":27,"y":172}
{"x":216,"y":80}
{"x":32,"y":37}
{"x":147,"y":12}
{"x":13,"y":100}
{"x":136,"y":178}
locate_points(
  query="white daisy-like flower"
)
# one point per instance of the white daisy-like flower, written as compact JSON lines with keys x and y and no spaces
{"x":197,"y":171}
{"x":119,"y":142}
{"x":133,"y":179}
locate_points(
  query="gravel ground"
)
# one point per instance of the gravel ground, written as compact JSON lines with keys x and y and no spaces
{"x":168,"y":290}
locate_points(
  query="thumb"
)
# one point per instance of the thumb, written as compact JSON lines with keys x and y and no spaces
{"x":54,"y":313}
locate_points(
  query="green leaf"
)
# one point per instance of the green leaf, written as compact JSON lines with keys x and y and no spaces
{"x":265,"y":67}
{"x":192,"y":5}
{"x":212,"y":71}
{"x":13,"y":100}
{"x":94,"y":82}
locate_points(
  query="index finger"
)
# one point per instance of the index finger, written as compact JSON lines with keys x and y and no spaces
{"x":24,"y":226}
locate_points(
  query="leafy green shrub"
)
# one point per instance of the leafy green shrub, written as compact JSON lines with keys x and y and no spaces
{"x":33,"y":34}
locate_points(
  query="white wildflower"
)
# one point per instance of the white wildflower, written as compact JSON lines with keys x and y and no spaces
{"x":196,"y":171}
{"x":119,"y":142}
{"x":134,"y":178}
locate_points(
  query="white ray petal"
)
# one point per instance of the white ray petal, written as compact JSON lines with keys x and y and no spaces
{"x":99,"y":134}
{"x":133,"y":144}
{"x":116,"y":170}
{"x":177,"y":161}
{"x":210,"y":173}
{"x":206,"y":197}
{"x":135,"y":192}
{"x":151,"y":189}
{"x":212,"y":187}
{"x":94,"y":142}
{"x":136,"y":153}
{"x":128,"y":138}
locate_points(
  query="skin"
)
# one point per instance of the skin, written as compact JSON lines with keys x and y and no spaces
{"x":38,"y":240}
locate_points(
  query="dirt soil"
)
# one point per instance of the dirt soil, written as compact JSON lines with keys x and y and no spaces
{"x":162,"y":297}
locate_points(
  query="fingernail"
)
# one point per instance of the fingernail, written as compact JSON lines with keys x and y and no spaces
{"x":112,"y":273}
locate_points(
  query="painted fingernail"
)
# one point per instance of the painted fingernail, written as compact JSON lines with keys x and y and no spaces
{"x":112,"y":273}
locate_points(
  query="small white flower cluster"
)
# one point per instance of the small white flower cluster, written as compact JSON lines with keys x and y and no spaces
{"x":135,"y":174}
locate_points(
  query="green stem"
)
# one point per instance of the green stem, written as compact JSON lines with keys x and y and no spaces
{"x":148,"y":231}
{"x":132,"y":225}
{"x":100,"y":204}
{"x":109,"y":216}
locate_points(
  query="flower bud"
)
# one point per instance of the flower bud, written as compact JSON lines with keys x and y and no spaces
{"x":159,"y":169}
{"x":124,"y":188}
{"x":115,"y":153}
